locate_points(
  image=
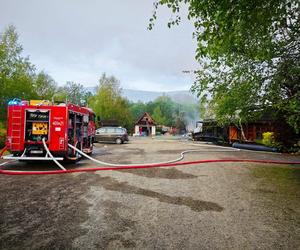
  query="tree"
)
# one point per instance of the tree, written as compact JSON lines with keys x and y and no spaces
{"x":167,"y":109}
{"x":45,"y":86}
{"x":72,"y":92}
{"x":181,"y":123}
{"x":284,"y":94}
{"x":16,"y":72}
{"x":138,"y":109}
{"x":158,"y":116}
{"x":108,"y":104}
{"x":243,"y":48}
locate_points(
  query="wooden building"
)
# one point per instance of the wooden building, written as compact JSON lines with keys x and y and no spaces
{"x":145,"y":125}
{"x":211,"y":131}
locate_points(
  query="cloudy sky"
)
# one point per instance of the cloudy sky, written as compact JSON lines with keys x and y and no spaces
{"x":78,"y":40}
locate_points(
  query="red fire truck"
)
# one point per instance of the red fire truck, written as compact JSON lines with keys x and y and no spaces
{"x":31,"y":122}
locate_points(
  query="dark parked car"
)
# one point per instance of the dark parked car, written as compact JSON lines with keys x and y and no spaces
{"x":111,"y":134}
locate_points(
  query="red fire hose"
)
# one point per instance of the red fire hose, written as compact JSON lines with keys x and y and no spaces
{"x":2,"y":151}
{"x":172,"y":163}
{"x":12,"y":172}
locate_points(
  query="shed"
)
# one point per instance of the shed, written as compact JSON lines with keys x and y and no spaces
{"x":145,"y":125}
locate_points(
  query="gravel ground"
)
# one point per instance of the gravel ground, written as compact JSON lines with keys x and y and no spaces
{"x":204,"y":206}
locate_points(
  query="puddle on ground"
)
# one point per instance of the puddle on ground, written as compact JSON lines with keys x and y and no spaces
{"x":112,"y":184}
{"x":161,"y":173}
{"x":136,"y":150}
{"x":267,"y":191}
{"x":128,"y":151}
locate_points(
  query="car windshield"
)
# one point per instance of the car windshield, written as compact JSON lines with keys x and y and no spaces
{"x":120,"y":130}
{"x":101,"y":130}
{"x":111,"y":130}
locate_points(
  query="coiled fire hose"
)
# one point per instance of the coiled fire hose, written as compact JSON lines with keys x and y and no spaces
{"x":171,"y":163}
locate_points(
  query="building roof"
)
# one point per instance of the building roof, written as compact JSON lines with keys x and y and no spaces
{"x":145,"y":119}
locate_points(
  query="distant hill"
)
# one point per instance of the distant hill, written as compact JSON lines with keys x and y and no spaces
{"x":183,"y":96}
{"x":91,"y":89}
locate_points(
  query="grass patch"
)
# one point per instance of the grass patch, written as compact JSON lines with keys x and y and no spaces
{"x":6,"y":153}
{"x":285,"y":179}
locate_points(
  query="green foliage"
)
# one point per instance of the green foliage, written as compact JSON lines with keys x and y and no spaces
{"x":108,"y":103}
{"x":165,"y":111}
{"x":16,"y":72}
{"x":230,"y":28}
{"x":45,"y":86}
{"x":249,"y":54}
{"x":2,"y":135}
{"x":284,"y":93}
{"x":72,"y":92}
{"x":234,"y":100}
{"x":138,"y":109}
{"x":268,"y":139}
{"x":18,"y":77}
{"x":158,"y":116}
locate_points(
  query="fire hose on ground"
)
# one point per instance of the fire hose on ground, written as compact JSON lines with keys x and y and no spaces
{"x":51,"y":156}
{"x":112,"y":166}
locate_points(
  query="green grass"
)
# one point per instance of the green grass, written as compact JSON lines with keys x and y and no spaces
{"x":6,"y":153}
{"x":285,"y":179}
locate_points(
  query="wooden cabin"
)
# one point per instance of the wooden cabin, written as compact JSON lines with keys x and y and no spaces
{"x":211,"y":131}
{"x":145,"y":125}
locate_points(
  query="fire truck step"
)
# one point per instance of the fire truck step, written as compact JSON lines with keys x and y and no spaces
{"x":11,"y":157}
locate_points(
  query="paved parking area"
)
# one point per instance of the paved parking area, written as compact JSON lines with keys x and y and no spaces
{"x":203,"y":206}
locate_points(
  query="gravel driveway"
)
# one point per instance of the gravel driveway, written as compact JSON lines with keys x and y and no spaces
{"x":204,"y":206}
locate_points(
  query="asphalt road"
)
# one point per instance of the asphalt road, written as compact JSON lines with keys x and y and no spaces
{"x":204,"y":206}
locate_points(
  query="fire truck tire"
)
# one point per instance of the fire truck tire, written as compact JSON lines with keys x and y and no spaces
{"x":73,"y":158}
{"x":92,"y":147}
{"x":119,"y":141}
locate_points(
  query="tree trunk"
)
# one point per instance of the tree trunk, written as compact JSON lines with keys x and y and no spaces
{"x":242,"y":131}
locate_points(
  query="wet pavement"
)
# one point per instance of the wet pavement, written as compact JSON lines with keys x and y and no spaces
{"x":201,"y":206}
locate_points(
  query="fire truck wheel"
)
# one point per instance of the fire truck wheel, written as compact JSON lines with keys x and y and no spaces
{"x":92,"y":147}
{"x":118,"y":140}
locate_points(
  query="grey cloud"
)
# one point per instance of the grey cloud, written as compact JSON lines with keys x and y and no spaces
{"x":78,"y":40}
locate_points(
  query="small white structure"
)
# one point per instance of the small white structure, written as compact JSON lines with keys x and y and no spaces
{"x":145,"y":125}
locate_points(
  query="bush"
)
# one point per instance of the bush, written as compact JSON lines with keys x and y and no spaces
{"x":269,"y":139}
{"x":296,"y":148}
{"x":2,"y":135}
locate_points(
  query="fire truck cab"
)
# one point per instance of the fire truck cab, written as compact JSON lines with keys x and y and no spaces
{"x":29,"y":122}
